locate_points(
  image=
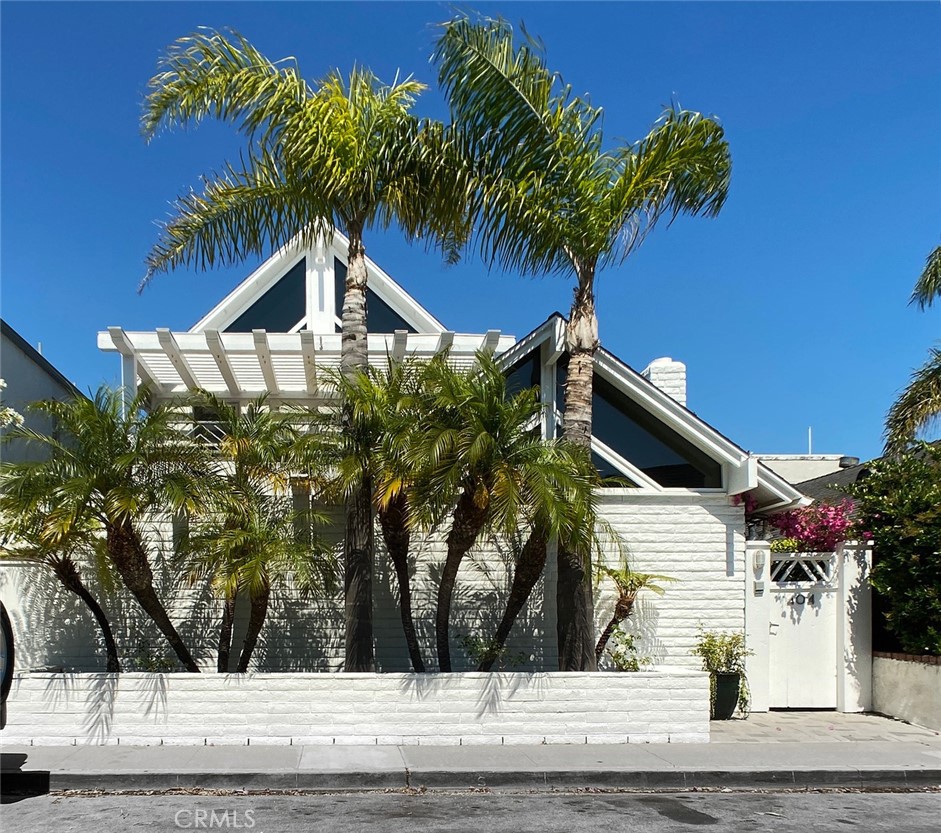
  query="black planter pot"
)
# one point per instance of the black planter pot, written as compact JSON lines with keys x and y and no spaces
{"x":725,"y":699}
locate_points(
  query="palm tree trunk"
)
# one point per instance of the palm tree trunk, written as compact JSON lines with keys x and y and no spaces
{"x":605,"y":636}
{"x":468,"y":521}
{"x":396,"y":536}
{"x":225,"y":632}
{"x":130,"y":560}
{"x":358,"y":558}
{"x":256,"y":618}
{"x":66,"y":571}
{"x":529,"y":568}
{"x":574,"y":597}
{"x":353,"y":348}
{"x":358,"y":547}
{"x":622,"y":609}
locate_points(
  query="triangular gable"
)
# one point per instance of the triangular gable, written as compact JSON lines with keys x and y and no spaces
{"x":667,"y":421}
{"x":297,"y":289}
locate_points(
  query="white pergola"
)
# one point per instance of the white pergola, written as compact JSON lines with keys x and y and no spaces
{"x":284,"y":366}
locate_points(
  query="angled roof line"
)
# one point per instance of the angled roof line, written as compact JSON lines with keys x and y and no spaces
{"x":38,"y":358}
{"x":276,"y":265}
{"x":663,"y":406}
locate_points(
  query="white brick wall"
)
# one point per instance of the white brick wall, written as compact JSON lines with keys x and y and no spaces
{"x":667,"y":705}
{"x":696,"y":538}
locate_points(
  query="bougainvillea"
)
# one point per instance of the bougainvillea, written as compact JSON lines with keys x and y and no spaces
{"x":821,"y":527}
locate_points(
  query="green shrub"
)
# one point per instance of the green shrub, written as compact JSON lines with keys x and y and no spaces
{"x":898,"y":506}
{"x":785,"y":545}
{"x":725,"y":651}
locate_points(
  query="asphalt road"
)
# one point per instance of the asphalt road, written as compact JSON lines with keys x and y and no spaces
{"x":478,"y":813}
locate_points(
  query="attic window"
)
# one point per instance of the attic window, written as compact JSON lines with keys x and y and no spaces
{"x":380,"y":317}
{"x":280,"y":308}
{"x":643,"y":440}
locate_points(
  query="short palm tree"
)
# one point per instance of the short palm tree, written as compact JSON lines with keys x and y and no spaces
{"x":549,"y":197}
{"x":565,"y":509}
{"x":25,"y":538}
{"x":484,"y":467}
{"x":920,"y":403}
{"x":371,"y":449}
{"x":246,"y":538}
{"x":629,"y":584}
{"x":107,"y":468}
{"x":341,"y":154}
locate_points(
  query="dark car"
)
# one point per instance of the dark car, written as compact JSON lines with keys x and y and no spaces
{"x":6,"y":663}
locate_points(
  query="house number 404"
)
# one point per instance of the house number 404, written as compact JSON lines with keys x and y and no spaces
{"x":800,"y":599}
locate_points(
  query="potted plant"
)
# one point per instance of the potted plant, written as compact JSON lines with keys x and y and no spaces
{"x":723,"y":656}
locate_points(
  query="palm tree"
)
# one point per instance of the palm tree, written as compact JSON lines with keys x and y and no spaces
{"x":372,"y":450}
{"x":628,"y":584}
{"x":106,"y":469}
{"x":247,"y":538}
{"x":484,"y":467}
{"x":566,"y":511}
{"x":549,"y":197}
{"x":24,"y":538}
{"x":342,"y":154}
{"x":920,"y":403}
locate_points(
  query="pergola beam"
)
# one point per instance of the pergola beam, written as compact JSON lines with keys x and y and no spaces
{"x":309,"y":357}
{"x":214,"y":343}
{"x":263,"y":352}
{"x":177,"y":359}
{"x":399,"y":344}
{"x":490,"y":342}
{"x":445,"y":340}
{"x":123,"y":345}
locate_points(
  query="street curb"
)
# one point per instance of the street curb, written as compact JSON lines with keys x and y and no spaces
{"x":37,"y":782}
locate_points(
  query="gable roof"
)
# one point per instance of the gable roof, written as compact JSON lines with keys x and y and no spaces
{"x":318,"y":310}
{"x":744,"y":472}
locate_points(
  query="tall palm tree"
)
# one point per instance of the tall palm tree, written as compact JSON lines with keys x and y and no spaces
{"x":340,"y":154}
{"x":246,"y":538}
{"x":106,"y":469}
{"x":25,"y":538}
{"x":549,"y":197}
{"x":920,"y":403}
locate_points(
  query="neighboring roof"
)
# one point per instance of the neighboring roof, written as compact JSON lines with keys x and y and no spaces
{"x":826,"y":487}
{"x":37,"y":358}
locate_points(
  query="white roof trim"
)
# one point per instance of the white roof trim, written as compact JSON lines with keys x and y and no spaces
{"x":228,"y":310}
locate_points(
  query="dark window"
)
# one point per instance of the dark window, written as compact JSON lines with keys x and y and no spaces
{"x":643,"y":440}
{"x":280,"y":308}
{"x":524,"y":374}
{"x":380,"y":317}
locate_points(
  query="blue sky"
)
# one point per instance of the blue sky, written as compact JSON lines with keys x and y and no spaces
{"x":790,"y":309}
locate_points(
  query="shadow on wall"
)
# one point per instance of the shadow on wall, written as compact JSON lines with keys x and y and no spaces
{"x":495,"y":688}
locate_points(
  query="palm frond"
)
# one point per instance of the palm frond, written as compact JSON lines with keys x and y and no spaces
{"x":928,"y":286}
{"x":918,"y":406}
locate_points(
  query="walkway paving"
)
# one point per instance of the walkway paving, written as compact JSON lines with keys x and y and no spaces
{"x":776,"y":750}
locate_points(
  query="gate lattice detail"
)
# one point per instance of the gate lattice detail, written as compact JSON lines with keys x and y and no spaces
{"x":806,"y":567}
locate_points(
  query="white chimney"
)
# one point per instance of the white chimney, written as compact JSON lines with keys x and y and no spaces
{"x":669,"y":376}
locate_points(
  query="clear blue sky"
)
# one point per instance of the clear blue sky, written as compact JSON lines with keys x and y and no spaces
{"x":790,"y":309}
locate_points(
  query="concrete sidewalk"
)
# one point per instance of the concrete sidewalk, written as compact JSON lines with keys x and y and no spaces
{"x":777,"y":750}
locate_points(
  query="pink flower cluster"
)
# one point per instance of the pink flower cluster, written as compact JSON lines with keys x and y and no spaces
{"x":821,"y":527}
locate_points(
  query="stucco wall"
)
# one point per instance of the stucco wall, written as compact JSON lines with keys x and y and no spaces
{"x":907,"y":689}
{"x":697,"y":539}
{"x":647,"y":707}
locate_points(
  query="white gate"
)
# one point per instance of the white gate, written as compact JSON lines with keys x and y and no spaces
{"x":803,"y":638}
